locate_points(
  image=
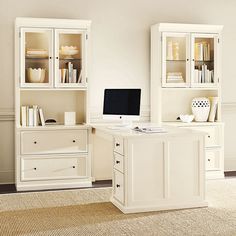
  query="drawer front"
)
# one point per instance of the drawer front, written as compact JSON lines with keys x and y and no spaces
{"x":119,"y":162}
{"x":213,"y":160}
{"x":119,"y":145}
{"x":213,"y":135}
{"x":47,"y":168}
{"x":57,"y":141}
{"x":119,"y":186}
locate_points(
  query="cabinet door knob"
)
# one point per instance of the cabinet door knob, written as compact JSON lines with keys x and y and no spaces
{"x":187,"y":59}
{"x":35,"y":142}
{"x":73,"y":141}
{"x":50,"y":57}
{"x":117,"y":185}
{"x":117,"y":144}
{"x":209,"y":136}
{"x":117,"y":162}
{"x":57,"y":57}
{"x":208,"y":159}
{"x":73,"y":167}
{"x":35,"y":168}
{"x":192,"y":59}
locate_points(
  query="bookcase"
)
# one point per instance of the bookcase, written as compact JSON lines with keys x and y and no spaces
{"x":186,"y":64}
{"x":51,"y":75}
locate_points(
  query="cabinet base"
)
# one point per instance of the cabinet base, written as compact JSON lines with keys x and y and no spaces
{"x":138,"y":209}
{"x":48,"y":186}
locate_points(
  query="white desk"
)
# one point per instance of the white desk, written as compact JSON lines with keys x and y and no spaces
{"x":158,"y":171}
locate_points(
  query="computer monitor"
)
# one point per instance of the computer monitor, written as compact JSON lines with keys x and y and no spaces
{"x":122,"y":104}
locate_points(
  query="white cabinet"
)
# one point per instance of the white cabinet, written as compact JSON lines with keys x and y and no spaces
{"x":51,"y":75}
{"x":189,"y":59}
{"x":150,"y":173}
{"x":186,"y":64}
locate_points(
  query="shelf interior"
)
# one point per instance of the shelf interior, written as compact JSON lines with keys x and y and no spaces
{"x":55,"y":103}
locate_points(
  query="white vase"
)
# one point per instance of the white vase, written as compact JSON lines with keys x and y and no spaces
{"x":201,"y":108}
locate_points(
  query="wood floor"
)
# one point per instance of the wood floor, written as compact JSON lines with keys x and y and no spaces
{"x":10,"y":188}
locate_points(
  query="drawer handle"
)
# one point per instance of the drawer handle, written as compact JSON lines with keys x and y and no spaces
{"x":35,"y":168}
{"x":118,"y":186}
{"x":73,"y":141}
{"x":35,"y":142}
{"x":117,"y":144}
{"x":209,"y":159}
{"x":209,"y":136}
{"x":117,"y":162}
{"x":73,"y":167}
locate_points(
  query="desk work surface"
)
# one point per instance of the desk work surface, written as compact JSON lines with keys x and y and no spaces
{"x":129,"y":132}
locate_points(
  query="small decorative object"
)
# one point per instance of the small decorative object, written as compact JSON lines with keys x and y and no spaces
{"x":69,"y":118}
{"x":201,"y":108}
{"x":186,"y":118}
{"x":68,"y":51}
{"x":175,"y":51}
{"x":50,"y":122}
{"x":36,"y":75}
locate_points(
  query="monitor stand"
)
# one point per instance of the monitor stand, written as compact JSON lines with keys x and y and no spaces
{"x":126,"y":124}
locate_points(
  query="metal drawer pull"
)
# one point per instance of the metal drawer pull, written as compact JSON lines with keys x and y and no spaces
{"x":117,"y":144}
{"x":209,"y":159}
{"x":209,"y":136}
{"x":73,"y":141}
{"x":117,"y":185}
{"x":35,"y":142}
{"x":35,"y":168}
{"x":73,"y":167}
{"x":117,"y":162}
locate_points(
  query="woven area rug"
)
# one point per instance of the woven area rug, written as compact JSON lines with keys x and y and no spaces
{"x":89,"y":212}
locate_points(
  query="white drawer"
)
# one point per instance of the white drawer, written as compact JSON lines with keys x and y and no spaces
{"x":119,"y":162}
{"x":47,"y":168}
{"x":213,"y":159}
{"x":119,"y":186}
{"x":213,"y":135}
{"x":119,"y":145}
{"x":56,"y":141}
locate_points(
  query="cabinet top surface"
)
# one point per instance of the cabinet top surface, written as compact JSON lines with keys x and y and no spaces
{"x":130,"y":133}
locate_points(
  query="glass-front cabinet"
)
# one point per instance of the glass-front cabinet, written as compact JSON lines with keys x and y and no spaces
{"x":53,"y":58}
{"x":189,"y":60}
{"x":175,"y":58}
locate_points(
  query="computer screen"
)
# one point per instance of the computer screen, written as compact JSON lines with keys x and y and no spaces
{"x":122,"y":102}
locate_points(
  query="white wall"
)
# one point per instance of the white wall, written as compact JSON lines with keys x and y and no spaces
{"x":120,"y":51}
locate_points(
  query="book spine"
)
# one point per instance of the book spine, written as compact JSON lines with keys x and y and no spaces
{"x":23,"y":116}
{"x":31,"y":117}
{"x":35,"y":108}
{"x":74,"y":77}
{"x":41,"y":117}
{"x":214,"y":104}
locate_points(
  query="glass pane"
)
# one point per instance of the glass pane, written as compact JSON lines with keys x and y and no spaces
{"x":37,"y":57}
{"x":176,"y":59}
{"x":204,"y":60}
{"x":70,"y":58}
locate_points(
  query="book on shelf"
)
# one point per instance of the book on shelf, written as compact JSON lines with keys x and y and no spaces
{"x":31,"y":116}
{"x":213,"y":109}
{"x":174,"y":77}
{"x":80,"y":77}
{"x":23,"y":116}
{"x":42,"y":120}
{"x":202,"y":51}
{"x":203,"y":75}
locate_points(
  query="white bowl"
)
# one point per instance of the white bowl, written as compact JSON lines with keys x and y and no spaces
{"x":68,"y":51}
{"x":186,"y":118}
{"x":36,"y":75}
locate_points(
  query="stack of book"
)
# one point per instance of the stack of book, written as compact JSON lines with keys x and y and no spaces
{"x":202,"y":51}
{"x":32,"y":116}
{"x":174,"y":77}
{"x":70,"y":75}
{"x":203,"y":75}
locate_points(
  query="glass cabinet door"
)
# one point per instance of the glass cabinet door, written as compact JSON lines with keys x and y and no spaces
{"x":36,"y":57}
{"x":175,"y":59}
{"x":204,"y":59}
{"x":70,"y":54}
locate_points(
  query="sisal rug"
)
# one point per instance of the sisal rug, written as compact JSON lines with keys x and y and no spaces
{"x":89,"y":212}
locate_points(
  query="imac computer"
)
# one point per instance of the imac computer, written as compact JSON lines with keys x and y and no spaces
{"x":122,"y":105}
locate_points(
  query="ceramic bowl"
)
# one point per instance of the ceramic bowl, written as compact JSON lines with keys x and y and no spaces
{"x":68,"y":51}
{"x":36,"y":75}
{"x":186,"y":118}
